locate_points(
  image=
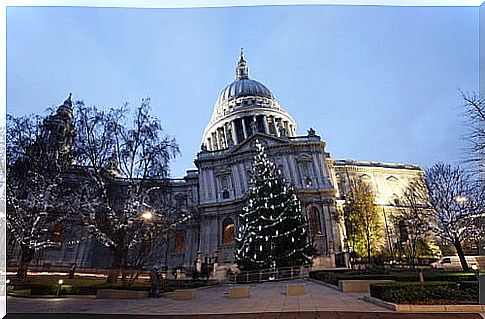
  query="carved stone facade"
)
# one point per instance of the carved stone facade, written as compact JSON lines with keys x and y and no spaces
{"x":247,"y":111}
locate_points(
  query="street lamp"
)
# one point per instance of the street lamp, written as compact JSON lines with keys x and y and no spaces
{"x":60,"y":282}
{"x":147,"y":215}
{"x":461,"y":199}
{"x":475,"y":269}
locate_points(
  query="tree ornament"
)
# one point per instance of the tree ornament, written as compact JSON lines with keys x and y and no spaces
{"x":282,"y":218}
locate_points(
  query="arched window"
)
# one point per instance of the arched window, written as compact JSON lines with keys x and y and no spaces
{"x":314,"y":221}
{"x":228,"y":231}
{"x":179,"y":242}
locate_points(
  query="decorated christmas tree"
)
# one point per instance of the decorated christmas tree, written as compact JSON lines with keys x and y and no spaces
{"x":273,"y":231}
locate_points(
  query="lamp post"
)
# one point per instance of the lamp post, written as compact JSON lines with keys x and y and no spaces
{"x":60,"y":282}
{"x":475,"y":269}
{"x":147,"y":215}
{"x":461,"y":199}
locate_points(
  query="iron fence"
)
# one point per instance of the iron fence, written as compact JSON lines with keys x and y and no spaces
{"x":264,"y":275}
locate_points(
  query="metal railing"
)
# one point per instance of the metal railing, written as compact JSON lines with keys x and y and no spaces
{"x":265,"y":275}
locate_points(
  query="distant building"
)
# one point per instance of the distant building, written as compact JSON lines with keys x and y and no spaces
{"x":246,"y":111}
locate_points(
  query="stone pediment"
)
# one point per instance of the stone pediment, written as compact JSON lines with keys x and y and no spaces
{"x":264,"y":139}
{"x":304,"y":157}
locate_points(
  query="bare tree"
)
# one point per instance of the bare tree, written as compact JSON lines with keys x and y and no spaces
{"x":34,"y":178}
{"x":21,"y":134}
{"x":475,"y":114}
{"x":416,"y":215}
{"x":456,"y":202}
{"x":31,"y":218}
{"x":129,"y":211}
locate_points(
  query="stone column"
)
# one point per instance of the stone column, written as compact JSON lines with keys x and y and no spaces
{"x":198,"y":263}
{"x":214,"y":141}
{"x":265,"y":124}
{"x":234,"y":133}
{"x":209,"y":144}
{"x":328,"y":203}
{"x":218,"y":139}
{"x":224,"y":136}
{"x":254,"y":126}
{"x":275,"y":127}
{"x":244,"y":128}
{"x":224,"y":130}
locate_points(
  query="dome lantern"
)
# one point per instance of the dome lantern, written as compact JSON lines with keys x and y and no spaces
{"x":242,"y":70}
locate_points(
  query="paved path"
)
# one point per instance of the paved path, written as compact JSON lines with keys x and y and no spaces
{"x":264,"y":315}
{"x":265,"y":297}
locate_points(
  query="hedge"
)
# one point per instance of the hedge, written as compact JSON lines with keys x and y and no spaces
{"x":333,"y":277}
{"x":78,"y":288}
{"x":429,"y":293}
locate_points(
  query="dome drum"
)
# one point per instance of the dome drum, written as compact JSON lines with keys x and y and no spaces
{"x":235,"y":128}
{"x":226,"y":107}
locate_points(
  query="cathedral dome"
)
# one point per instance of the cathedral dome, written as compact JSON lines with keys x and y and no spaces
{"x":243,"y":108}
{"x":243,"y":87}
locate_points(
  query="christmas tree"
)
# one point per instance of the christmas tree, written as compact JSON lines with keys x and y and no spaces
{"x":273,"y":232}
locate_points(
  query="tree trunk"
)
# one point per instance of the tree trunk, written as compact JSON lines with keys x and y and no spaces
{"x":413,"y":253}
{"x":368,"y":250}
{"x":461,"y":255}
{"x":115,"y":266}
{"x":26,"y":256}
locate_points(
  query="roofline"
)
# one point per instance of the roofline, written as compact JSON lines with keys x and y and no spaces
{"x":349,"y":162}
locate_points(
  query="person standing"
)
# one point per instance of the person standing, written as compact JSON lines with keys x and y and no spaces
{"x":72,"y":271}
{"x":155,"y":282}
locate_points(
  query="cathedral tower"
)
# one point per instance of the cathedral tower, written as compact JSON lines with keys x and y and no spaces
{"x":57,"y":136}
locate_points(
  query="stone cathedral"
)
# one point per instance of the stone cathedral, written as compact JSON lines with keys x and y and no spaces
{"x":246,"y":111}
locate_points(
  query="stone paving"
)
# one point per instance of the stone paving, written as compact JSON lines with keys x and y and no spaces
{"x":265,"y":297}
{"x":263,"y":315}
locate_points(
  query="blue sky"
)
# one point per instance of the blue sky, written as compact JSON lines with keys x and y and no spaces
{"x":377,"y":83}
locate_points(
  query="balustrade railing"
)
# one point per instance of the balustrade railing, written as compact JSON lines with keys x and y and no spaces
{"x":265,"y":275}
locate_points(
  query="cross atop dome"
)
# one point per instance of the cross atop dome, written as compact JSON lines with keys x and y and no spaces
{"x":242,"y":71}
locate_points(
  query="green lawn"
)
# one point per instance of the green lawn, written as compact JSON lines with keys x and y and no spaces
{"x":48,"y":285}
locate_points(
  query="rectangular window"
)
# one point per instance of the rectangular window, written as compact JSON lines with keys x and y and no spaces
{"x":224,"y":180}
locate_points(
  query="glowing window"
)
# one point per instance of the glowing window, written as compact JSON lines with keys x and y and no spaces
{"x":228,"y":231}
{"x":179,"y":242}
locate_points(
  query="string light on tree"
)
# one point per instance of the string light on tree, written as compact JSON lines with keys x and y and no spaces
{"x":273,"y":229}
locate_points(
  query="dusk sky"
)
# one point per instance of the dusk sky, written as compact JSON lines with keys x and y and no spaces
{"x":376,"y":83}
